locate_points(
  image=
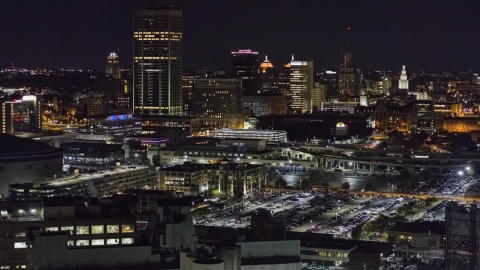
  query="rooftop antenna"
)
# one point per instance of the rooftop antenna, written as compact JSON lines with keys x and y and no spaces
{"x":348,"y":38}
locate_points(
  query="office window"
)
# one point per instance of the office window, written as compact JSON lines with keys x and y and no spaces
{"x":127,"y":229}
{"x":66,"y":228}
{"x":83,"y":243}
{"x":19,"y":245}
{"x":113,"y":228}
{"x":70,"y":243}
{"x":113,"y":241}
{"x":127,"y":241}
{"x":20,"y":234}
{"x":20,"y":267}
{"x":97,"y":229}
{"x":51,"y":229}
{"x":98,"y":242}
{"x":82,"y":230}
{"x":4,"y":267}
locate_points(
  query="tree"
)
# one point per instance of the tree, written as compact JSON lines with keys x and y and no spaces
{"x":370,"y":187}
{"x":280,"y":182}
{"x":357,"y":232}
{"x":156,"y":160}
{"x":430,"y":200}
{"x":345,"y":185}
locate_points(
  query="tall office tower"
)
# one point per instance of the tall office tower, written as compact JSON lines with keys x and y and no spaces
{"x":188,"y":80}
{"x":348,"y":77}
{"x":268,"y":77}
{"x":113,"y":66}
{"x":217,"y":97}
{"x":386,"y":84}
{"x":403,"y":82}
{"x":301,"y":84}
{"x":157,"y":67}
{"x":284,"y":79}
{"x":245,"y":66}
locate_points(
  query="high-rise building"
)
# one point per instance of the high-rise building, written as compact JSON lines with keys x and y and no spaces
{"x":157,"y":67}
{"x":269,"y":78}
{"x":284,"y":79}
{"x":113,"y":66}
{"x":301,"y":84}
{"x":245,"y":66}
{"x":21,"y":115}
{"x":217,"y":97}
{"x":319,"y":95}
{"x":188,"y":81}
{"x":403,"y":82}
{"x":348,"y":77}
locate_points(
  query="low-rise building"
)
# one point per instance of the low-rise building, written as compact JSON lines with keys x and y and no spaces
{"x":114,"y":125}
{"x":259,"y":134}
{"x":225,"y":177}
{"x":266,"y":104}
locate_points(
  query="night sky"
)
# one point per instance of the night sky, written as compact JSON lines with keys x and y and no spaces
{"x":385,"y":34}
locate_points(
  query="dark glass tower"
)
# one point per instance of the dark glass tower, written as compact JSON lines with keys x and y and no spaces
{"x":157,"y":66}
{"x":245,"y":66}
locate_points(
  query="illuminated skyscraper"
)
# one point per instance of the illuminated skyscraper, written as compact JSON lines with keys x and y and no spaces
{"x":245,"y":66}
{"x":348,"y":76}
{"x":403,"y":82}
{"x":157,"y":67}
{"x":301,"y":84}
{"x":269,"y":78}
{"x":113,"y":66}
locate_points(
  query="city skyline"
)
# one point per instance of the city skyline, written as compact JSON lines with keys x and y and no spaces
{"x":383,"y":35}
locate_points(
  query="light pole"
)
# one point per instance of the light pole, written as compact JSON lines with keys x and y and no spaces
{"x":301,"y":184}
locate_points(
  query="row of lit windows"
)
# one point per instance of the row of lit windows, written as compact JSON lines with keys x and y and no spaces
{"x":95,"y":229}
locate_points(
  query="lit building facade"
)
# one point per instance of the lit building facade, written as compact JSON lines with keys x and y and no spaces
{"x":301,"y":84}
{"x":188,"y":82}
{"x":319,"y":95}
{"x":217,"y":97}
{"x":348,"y":77}
{"x":245,"y":66}
{"x":403,"y":82}
{"x":23,"y":115}
{"x":269,"y":78}
{"x":113,"y":66}
{"x":157,"y":67}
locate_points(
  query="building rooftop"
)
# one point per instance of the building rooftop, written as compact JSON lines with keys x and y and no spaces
{"x":434,"y":227}
{"x":240,"y":131}
{"x":74,"y":179}
{"x":15,"y":146}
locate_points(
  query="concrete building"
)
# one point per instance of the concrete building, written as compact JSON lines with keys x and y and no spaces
{"x":158,"y":61}
{"x":391,"y":116}
{"x":23,"y":115}
{"x":114,"y":125}
{"x":266,"y":104}
{"x":102,"y":184}
{"x":97,"y":104}
{"x":461,"y":124}
{"x":217,"y":97}
{"x":225,"y":177}
{"x":267,"y":135}
{"x":194,"y":125}
{"x":85,"y":224}
{"x":319,"y":95}
{"x":301,"y":85}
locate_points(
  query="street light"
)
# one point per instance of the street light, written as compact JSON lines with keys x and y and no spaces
{"x":460,"y":173}
{"x":467,"y":168}
{"x":301,"y":184}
